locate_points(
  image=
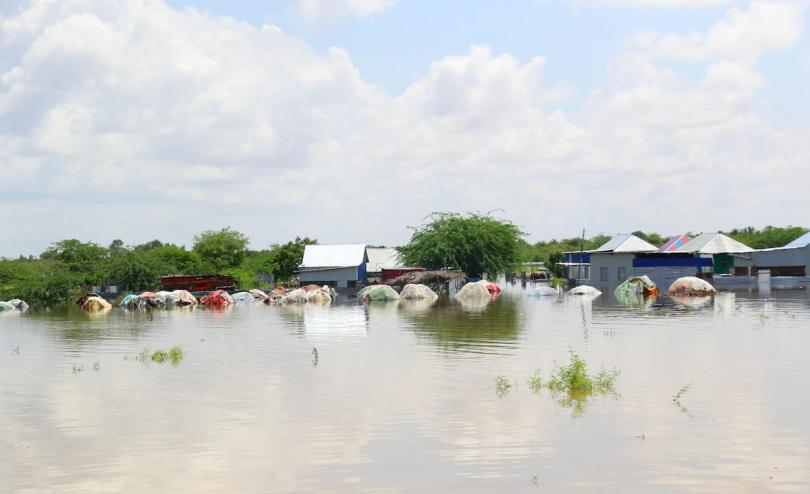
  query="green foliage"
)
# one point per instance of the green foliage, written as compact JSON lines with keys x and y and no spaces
{"x":133,"y":270}
{"x":174,"y":355}
{"x":475,"y":244}
{"x":82,"y":259}
{"x":171,"y":259}
{"x":222,"y":248}
{"x":574,"y":378}
{"x":502,"y":386}
{"x":284,"y":259}
{"x":535,"y":382}
{"x":653,"y":238}
{"x":768,"y":237}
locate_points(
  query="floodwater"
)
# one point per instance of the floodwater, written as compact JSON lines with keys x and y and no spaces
{"x":403,"y":399}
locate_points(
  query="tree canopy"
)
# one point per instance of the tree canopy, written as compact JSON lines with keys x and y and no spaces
{"x":475,"y":243}
{"x":221,"y":248}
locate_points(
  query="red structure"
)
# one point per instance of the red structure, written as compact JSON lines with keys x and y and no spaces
{"x":391,"y":274}
{"x":202,"y":283}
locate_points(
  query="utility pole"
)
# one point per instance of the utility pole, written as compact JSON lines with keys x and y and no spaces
{"x":581,"y":250}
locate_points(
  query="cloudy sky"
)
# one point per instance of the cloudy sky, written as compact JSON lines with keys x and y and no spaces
{"x":349,"y":120}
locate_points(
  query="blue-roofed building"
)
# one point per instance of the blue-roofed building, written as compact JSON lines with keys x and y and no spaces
{"x":791,"y":260}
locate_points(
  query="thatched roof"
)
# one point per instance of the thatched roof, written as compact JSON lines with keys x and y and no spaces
{"x":426,"y":277}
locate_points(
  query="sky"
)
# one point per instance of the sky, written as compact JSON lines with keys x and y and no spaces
{"x":352,"y":120}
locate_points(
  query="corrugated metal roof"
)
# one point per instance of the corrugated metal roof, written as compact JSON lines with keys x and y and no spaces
{"x":626,"y":243}
{"x":334,"y":256}
{"x":713,"y":243}
{"x":383,"y":258}
{"x":800,"y":242}
{"x":673,"y":243}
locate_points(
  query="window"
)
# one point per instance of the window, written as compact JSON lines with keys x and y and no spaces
{"x":603,"y":274}
{"x":622,"y":271}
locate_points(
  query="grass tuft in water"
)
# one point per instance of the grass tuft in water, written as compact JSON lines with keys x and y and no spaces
{"x":502,"y":386}
{"x":535,"y":382}
{"x":574,"y":378}
{"x":173,"y":355}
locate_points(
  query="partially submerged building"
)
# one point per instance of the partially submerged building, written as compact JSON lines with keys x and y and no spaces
{"x":791,"y":260}
{"x":337,"y":265}
{"x":612,"y":262}
{"x":385,"y":264}
{"x":728,"y":256}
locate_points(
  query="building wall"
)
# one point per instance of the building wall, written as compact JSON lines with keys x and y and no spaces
{"x":783,"y":258}
{"x":608,"y":268}
{"x":337,"y":277}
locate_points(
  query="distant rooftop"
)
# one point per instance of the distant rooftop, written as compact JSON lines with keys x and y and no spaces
{"x":713,"y":243}
{"x":626,"y":243}
{"x":673,"y":243}
{"x":334,"y":256}
{"x":383,"y":258}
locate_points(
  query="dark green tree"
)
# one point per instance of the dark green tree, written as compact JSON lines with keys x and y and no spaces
{"x":221,"y":249}
{"x":475,"y":244}
{"x":284,"y":259}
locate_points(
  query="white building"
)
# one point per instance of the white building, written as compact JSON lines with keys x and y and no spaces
{"x":337,"y":265}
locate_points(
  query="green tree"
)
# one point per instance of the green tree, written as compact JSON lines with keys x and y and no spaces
{"x":768,"y":237}
{"x":284,"y":259}
{"x":85,"y":260}
{"x":172,"y":259}
{"x":475,"y":244}
{"x":133,"y":271}
{"x":221,"y":249}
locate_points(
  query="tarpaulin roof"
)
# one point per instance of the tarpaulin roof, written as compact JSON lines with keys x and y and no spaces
{"x":626,"y":243}
{"x":675,"y":242}
{"x":334,"y":256}
{"x":713,"y":243}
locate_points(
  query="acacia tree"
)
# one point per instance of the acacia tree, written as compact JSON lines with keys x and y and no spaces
{"x":221,"y":249}
{"x":475,"y":244}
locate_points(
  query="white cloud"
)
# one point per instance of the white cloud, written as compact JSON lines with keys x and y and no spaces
{"x":179,"y":121}
{"x":329,"y":10}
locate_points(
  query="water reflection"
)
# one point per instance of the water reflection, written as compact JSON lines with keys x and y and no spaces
{"x":493,"y":327}
{"x":384,"y":411}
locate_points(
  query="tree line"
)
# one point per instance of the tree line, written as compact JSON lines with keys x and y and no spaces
{"x":473,"y":243}
{"x":71,"y":267}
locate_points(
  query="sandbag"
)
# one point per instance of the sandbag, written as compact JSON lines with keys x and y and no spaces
{"x":417,"y":292}
{"x":257,"y":294}
{"x":319,"y":296}
{"x":584,"y":290}
{"x":217,"y":298}
{"x":633,"y":291}
{"x":18,"y":304}
{"x":167,"y":299}
{"x":297,"y":296}
{"x":96,"y":304}
{"x":474,"y":291}
{"x":186,"y":298}
{"x":243,"y":297}
{"x":691,"y":286}
{"x":132,"y":302}
{"x":377,"y":293}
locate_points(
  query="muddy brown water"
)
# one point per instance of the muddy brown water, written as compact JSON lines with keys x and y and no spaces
{"x":403,"y":399}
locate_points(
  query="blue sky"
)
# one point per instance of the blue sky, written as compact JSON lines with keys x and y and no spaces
{"x":394,"y":48}
{"x":347,"y":120}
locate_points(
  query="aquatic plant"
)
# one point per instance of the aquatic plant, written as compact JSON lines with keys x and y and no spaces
{"x":574,"y":378}
{"x":676,"y":399}
{"x":173,"y":355}
{"x":535,"y":382}
{"x":502,"y":386}
{"x":314,"y":357}
{"x":77,"y":368}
